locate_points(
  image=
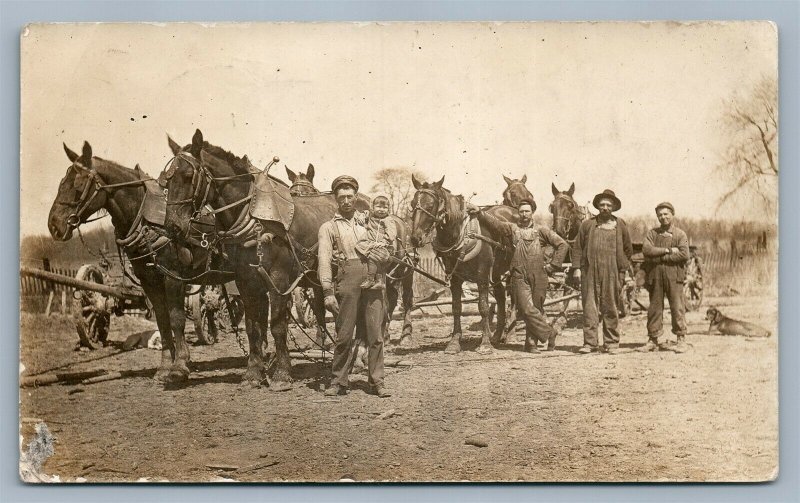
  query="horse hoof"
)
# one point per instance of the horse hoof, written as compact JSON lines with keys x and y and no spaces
{"x":177,"y":376}
{"x":161,"y":375}
{"x":484,"y":349}
{"x":253,"y":377}
{"x":278,"y":386}
{"x":453,"y":348}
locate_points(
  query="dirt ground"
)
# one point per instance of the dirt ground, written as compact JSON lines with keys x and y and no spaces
{"x":709,"y":414}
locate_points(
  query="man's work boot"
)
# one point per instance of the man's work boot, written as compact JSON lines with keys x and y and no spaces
{"x":613,"y":349}
{"x":681,"y":346}
{"x":586,"y":349}
{"x":649,"y":346}
{"x":381,"y":391}
{"x":531,"y":346}
{"x":335,"y":390}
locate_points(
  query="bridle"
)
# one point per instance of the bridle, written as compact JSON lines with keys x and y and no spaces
{"x":569,"y":219}
{"x":88,"y":195}
{"x":295,"y":189}
{"x":441,"y":214}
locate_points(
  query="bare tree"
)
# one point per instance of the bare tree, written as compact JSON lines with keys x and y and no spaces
{"x":395,"y":183}
{"x":751,"y":158}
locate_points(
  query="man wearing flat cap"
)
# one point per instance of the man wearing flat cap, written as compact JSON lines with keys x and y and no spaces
{"x":602,"y":250}
{"x":355,"y":308}
{"x":666,"y":251}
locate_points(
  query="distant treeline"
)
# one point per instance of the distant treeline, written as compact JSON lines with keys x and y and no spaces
{"x":34,"y":249}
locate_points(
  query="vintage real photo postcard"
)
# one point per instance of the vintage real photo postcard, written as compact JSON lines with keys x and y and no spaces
{"x":315,"y":252}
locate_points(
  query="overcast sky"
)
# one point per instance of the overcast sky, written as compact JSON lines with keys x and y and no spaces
{"x":631,"y":107}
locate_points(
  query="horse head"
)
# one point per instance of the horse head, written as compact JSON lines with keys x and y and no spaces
{"x":516,"y":191}
{"x":85,"y":190}
{"x":567,"y":214}
{"x":201,"y":174}
{"x":427,"y":209}
{"x":302,"y":183}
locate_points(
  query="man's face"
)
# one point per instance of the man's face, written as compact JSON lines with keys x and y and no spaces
{"x":380,"y":208}
{"x":664,"y":217}
{"x":525,"y":213}
{"x":605,"y":206}
{"x":346,"y":198}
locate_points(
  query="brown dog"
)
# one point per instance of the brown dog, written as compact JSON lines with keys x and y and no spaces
{"x":727,"y":326}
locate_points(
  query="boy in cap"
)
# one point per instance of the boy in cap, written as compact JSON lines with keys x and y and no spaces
{"x":381,"y":233}
{"x":666,"y":250}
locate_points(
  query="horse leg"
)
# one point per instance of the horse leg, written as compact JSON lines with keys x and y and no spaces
{"x":279,"y":324}
{"x":155,"y":292}
{"x":456,"y":289}
{"x":256,"y":305}
{"x":483,"y":308}
{"x":500,"y":301}
{"x":391,"y":304}
{"x":175,"y":293}
{"x":406,"y":338}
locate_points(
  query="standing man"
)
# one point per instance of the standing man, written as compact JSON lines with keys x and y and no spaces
{"x":355,"y":309}
{"x":666,"y":250}
{"x":603,"y":252}
{"x":528,"y":270}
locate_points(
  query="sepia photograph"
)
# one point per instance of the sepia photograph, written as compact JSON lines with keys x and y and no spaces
{"x":399,"y":252}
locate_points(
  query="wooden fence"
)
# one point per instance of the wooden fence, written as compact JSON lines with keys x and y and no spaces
{"x":42,"y":296}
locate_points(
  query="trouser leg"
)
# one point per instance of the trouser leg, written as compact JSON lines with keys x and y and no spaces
{"x":529,"y":308}
{"x":677,"y":307}
{"x":655,"y":311}
{"x":348,"y":295}
{"x":590,"y":315}
{"x":609,"y":312}
{"x":373,"y":314}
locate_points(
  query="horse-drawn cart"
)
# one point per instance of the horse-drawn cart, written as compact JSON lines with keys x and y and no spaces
{"x":97,"y":295}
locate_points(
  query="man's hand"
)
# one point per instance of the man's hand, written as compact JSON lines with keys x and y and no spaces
{"x":472,"y":209}
{"x":576,"y":275}
{"x":332,"y":305}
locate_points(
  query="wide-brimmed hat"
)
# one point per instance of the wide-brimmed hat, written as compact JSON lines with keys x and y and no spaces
{"x":344,"y":180}
{"x":530,"y":202}
{"x":607,"y":194}
{"x":666,"y":205}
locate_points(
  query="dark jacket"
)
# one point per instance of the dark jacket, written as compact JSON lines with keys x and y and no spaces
{"x":656,"y":241}
{"x":624,"y":247}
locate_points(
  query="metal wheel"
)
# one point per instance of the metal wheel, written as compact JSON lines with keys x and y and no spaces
{"x":693,"y":285}
{"x":91,"y":311}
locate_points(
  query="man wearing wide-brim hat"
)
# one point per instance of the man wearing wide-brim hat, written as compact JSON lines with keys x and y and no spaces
{"x":666,"y":251}
{"x":602,"y":253}
{"x":351,"y":305}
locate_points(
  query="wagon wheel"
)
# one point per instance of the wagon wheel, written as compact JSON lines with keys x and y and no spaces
{"x":91,"y":311}
{"x":204,"y":315}
{"x":693,"y":285}
{"x":301,"y":300}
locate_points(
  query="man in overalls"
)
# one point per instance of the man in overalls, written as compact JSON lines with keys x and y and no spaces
{"x":528,"y":269}
{"x":353,"y":306}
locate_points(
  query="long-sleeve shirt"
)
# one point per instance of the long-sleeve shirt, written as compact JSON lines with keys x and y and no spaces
{"x":350,"y":231}
{"x":380,"y":232}
{"x":519,"y":235}
{"x":656,"y":243}
{"x":580,"y":257}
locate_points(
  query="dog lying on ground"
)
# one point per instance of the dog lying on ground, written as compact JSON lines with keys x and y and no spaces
{"x":728,"y":326}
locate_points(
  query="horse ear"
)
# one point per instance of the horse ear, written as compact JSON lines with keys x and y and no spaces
{"x":555,"y":190}
{"x":524,"y":178}
{"x":197,"y":143}
{"x":310,"y":173}
{"x":440,"y":183}
{"x":507,"y":179}
{"x":291,"y":174}
{"x":571,"y":189}
{"x":72,"y":156}
{"x":174,"y":147}
{"x":414,"y":182}
{"x":87,"y":154}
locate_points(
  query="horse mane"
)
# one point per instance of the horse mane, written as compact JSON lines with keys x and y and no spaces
{"x":454,"y":212}
{"x":238,"y":164}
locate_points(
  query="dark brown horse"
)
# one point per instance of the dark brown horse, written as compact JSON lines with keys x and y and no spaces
{"x":437,"y":209}
{"x":567,"y":214}
{"x":203,"y":174}
{"x":92,"y":184}
{"x":516,"y":191}
{"x":399,"y":277}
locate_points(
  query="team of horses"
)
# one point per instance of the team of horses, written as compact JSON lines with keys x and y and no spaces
{"x":209,"y":236}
